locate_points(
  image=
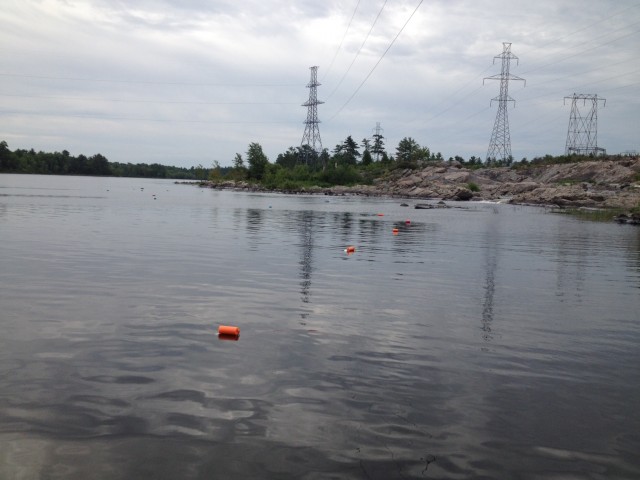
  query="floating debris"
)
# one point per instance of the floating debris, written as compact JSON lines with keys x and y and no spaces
{"x":225,"y":331}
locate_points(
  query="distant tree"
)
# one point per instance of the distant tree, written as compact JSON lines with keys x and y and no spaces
{"x":366,"y":144}
{"x":350,"y":151}
{"x":215,"y":174}
{"x":239,"y":171}
{"x":377,"y":148}
{"x":78,"y":165}
{"x":238,"y":162}
{"x":98,"y":165}
{"x":201,"y":172}
{"x":423,"y":154}
{"x":308,"y":157}
{"x":257,"y":160}
{"x":366,"y":158}
{"x":5,"y":156}
{"x":288,"y":159}
{"x":324,"y":159}
{"x":405,"y":151}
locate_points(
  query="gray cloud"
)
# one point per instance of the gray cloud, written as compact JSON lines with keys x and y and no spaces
{"x":191,"y":82}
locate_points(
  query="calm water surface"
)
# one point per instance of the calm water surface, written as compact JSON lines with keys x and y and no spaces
{"x":482,"y":341}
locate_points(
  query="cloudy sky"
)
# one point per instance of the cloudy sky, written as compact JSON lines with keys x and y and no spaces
{"x":188,"y":82}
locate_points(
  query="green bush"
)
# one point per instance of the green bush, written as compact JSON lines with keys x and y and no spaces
{"x":473,"y":187}
{"x":341,"y":175}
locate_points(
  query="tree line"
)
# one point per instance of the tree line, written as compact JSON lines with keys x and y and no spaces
{"x":348,"y":163}
{"x":63,"y":163}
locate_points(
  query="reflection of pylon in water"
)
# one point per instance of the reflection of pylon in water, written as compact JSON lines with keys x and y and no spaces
{"x":582,"y":135}
{"x":311,"y":136}
{"x":500,"y":144}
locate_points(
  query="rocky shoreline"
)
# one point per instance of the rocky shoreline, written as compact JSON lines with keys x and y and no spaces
{"x":600,"y":184}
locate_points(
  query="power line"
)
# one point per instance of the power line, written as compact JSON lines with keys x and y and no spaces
{"x":454,"y":105}
{"x":583,"y":51}
{"x":378,"y":62}
{"x":342,"y":41}
{"x":442,"y":102}
{"x":599,"y":68}
{"x":359,"y":50}
{"x":546,"y":81}
{"x":132,"y":119}
{"x":147,"y":82}
{"x":117,"y":100}
{"x":588,"y":84}
{"x":597,"y":22}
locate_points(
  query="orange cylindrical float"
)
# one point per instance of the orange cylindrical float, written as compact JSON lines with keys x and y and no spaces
{"x":350,"y":249}
{"x":381,"y":214}
{"x":228,"y":330}
{"x":395,"y":231}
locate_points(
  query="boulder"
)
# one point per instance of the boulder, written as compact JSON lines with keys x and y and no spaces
{"x":463,"y":194}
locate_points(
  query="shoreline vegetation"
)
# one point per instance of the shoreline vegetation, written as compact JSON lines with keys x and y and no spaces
{"x":602,"y":188}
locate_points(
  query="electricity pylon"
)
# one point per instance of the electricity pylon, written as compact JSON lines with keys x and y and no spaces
{"x":311,"y":136}
{"x":500,"y":144}
{"x":582,"y":135}
{"x":378,"y":143}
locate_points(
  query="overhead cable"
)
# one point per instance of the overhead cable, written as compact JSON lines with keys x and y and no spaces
{"x":377,"y":63}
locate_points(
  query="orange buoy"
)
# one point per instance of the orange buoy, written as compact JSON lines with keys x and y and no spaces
{"x":350,"y":249}
{"x":228,"y":330}
{"x":381,"y":214}
{"x":395,"y":231}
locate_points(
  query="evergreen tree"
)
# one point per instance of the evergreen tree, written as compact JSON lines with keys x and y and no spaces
{"x":350,"y":151}
{"x":378,"y":146}
{"x":289,"y":159}
{"x":366,"y":158}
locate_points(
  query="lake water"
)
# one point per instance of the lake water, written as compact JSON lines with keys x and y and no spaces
{"x":481,"y":341}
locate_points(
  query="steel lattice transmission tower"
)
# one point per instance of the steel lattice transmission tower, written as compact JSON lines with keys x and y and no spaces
{"x":377,"y":141}
{"x":311,"y":134}
{"x":500,"y":144}
{"x":582,"y":135}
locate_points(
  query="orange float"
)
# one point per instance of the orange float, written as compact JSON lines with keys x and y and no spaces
{"x":228,"y":330}
{"x":381,"y":214}
{"x":350,"y":249}
{"x":395,"y":231}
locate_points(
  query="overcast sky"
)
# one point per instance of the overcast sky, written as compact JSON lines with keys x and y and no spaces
{"x":188,"y":82}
